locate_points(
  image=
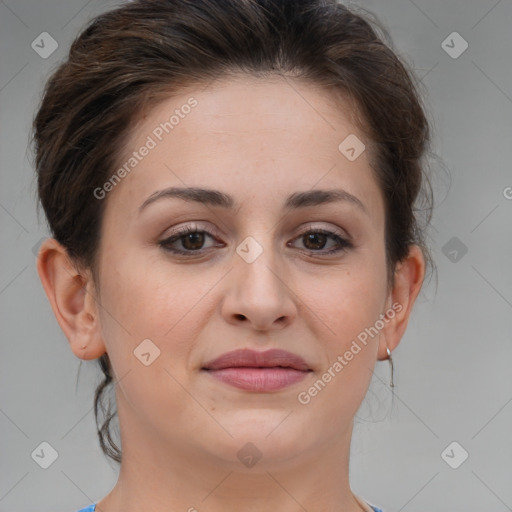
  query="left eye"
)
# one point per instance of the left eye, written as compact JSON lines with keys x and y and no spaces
{"x":316,"y":239}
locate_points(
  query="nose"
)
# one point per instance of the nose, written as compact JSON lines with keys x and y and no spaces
{"x":258,"y":292}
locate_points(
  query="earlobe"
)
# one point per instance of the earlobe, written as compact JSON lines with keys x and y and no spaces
{"x":409,"y":275}
{"x":71,"y":296}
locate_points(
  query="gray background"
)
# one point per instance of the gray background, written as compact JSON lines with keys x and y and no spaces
{"x":452,"y":368}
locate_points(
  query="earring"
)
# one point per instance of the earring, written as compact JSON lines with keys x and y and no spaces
{"x":391,"y":363}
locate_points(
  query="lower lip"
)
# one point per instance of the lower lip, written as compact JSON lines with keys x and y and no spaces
{"x":259,"y":379}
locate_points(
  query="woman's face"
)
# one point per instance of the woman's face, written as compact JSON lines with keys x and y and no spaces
{"x":250,"y":279}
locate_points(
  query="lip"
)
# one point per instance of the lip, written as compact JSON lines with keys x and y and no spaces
{"x":252,"y":370}
{"x":254,"y":359}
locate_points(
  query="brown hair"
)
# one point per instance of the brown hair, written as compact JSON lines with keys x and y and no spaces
{"x":129,"y":58}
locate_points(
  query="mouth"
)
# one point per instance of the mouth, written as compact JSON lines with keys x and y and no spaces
{"x":255,"y":371}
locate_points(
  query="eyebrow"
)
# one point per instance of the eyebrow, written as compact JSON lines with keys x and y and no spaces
{"x":217,"y":198}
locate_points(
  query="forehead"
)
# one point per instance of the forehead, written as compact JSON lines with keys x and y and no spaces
{"x":246,"y":136}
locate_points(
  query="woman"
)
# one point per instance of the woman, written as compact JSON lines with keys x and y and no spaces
{"x":231,"y":190}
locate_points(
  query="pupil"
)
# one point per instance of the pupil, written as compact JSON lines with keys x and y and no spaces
{"x":313,"y":236}
{"x":194,"y":237}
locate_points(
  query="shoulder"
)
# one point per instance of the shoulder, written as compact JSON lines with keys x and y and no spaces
{"x":90,"y":508}
{"x":367,"y":507}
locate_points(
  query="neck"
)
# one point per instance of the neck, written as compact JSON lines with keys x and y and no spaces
{"x":162,"y":476}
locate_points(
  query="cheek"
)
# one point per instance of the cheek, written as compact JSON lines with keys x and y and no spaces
{"x":151,"y":304}
{"x":347,"y":302}
{"x":164,"y":303}
{"x":347,"y":310}
{"x":346,"y":307}
{"x":142,"y":297}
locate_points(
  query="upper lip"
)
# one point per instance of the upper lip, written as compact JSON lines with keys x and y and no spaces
{"x":254,"y":359}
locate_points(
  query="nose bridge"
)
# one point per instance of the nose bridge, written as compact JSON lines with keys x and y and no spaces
{"x":258,"y":290}
{"x":258,"y":263}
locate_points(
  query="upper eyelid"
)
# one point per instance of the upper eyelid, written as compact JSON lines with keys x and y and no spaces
{"x":335,"y":231}
{"x":182,"y":230}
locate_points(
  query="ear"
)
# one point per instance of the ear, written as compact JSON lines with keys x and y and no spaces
{"x":409,"y":275}
{"x":73,"y":300}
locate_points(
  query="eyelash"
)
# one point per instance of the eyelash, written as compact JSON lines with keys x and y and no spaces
{"x":343,"y":244}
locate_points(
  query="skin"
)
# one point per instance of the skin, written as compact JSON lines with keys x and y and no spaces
{"x":258,"y":140}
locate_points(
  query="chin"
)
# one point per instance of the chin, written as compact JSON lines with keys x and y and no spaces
{"x":272,"y":439}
